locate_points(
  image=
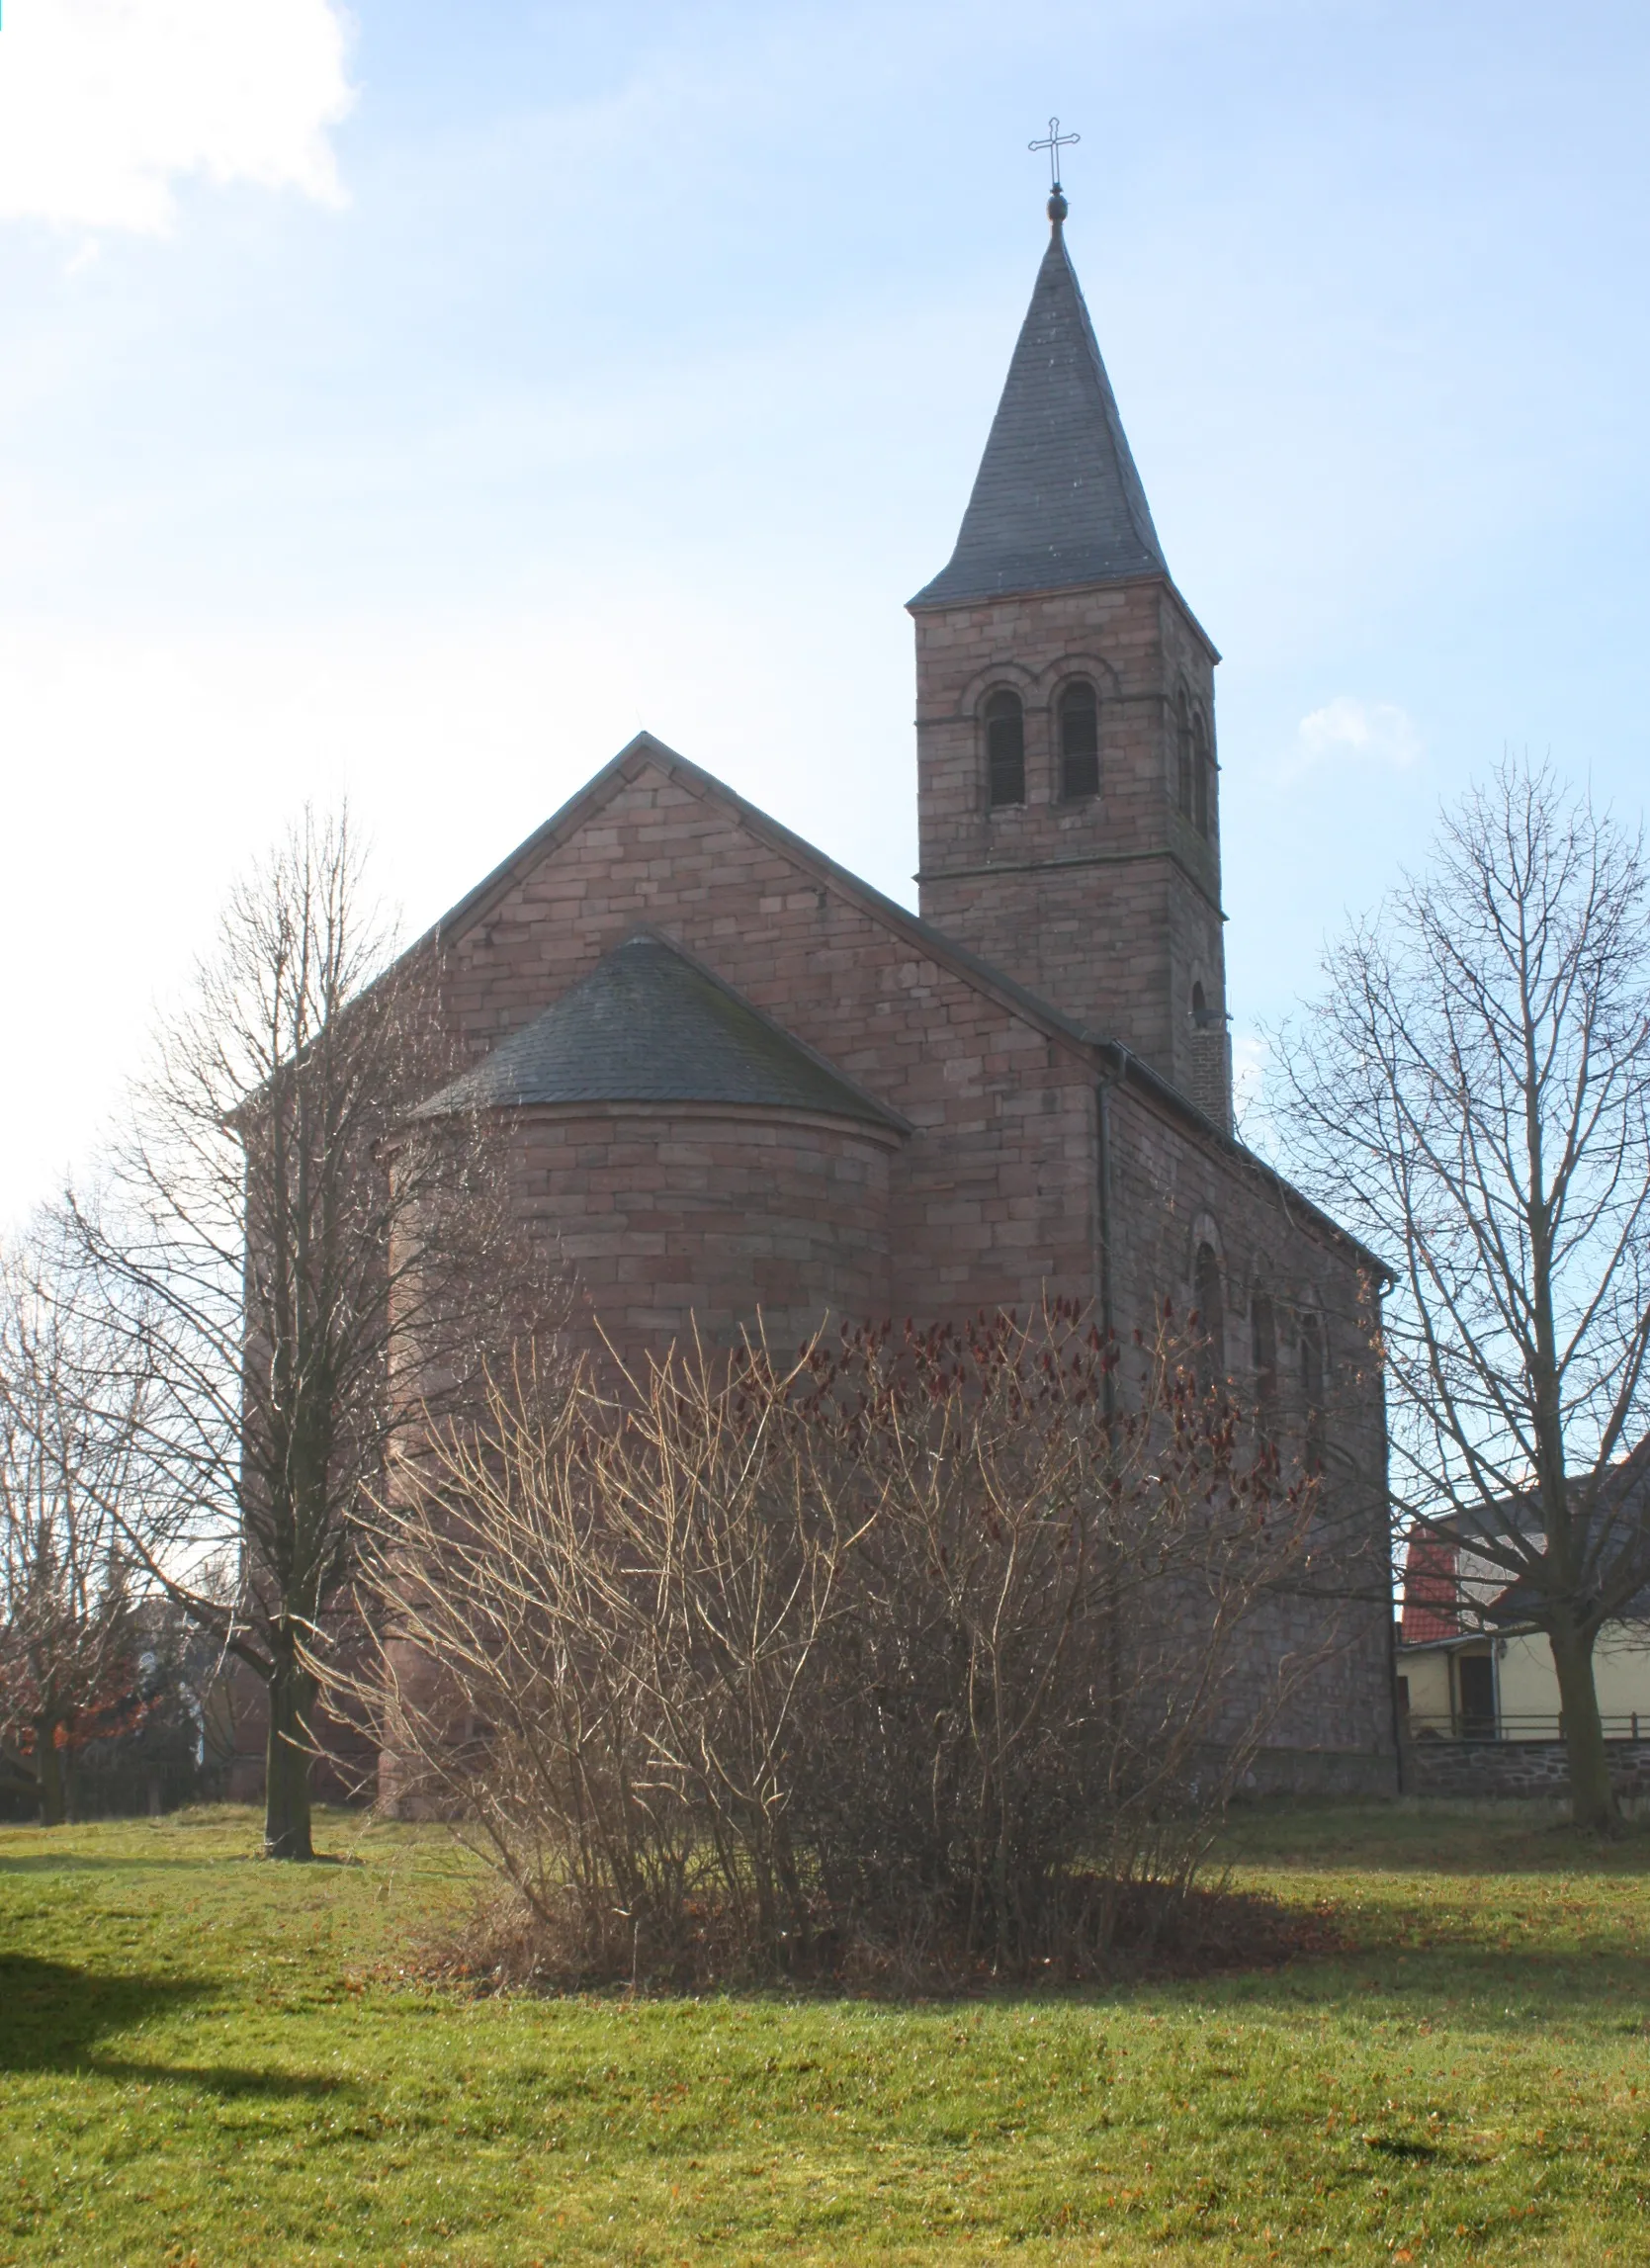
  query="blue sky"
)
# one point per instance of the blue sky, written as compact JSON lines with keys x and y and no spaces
{"x":412,"y":403}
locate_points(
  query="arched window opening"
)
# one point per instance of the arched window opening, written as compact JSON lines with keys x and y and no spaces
{"x":1263,"y":1350}
{"x":1005,"y":749}
{"x":1202,"y":774}
{"x":1079,"y":742}
{"x":1312,"y":1389}
{"x":1211,"y":1317}
{"x":1204,"y":1017}
{"x":1182,"y":757}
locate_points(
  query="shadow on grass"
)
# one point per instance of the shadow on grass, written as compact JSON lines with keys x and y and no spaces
{"x":75,"y":1863}
{"x":53,"y":2015}
{"x":1435,"y":1837}
{"x":1503,"y":1990}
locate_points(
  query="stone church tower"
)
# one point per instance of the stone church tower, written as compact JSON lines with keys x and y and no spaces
{"x":1069,"y":814}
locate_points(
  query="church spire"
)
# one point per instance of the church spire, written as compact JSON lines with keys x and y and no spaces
{"x":1057,"y":500}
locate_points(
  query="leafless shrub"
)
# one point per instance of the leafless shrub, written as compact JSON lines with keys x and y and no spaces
{"x":918,"y":1655}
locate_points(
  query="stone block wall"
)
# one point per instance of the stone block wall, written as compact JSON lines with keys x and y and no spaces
{"x":1170,"y":1191}
{"x":1108,"y":908}
{"x":992,"y":1197}
{"x":1514,"y":1767}
{"x":708,"y":1215}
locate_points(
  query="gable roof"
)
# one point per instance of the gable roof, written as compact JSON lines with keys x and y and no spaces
{"x":1057,"y":499}
{"x":648,"y":750}
{"x":651,"y":1024}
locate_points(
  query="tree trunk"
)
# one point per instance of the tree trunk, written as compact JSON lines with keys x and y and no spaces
{"x":49,"y":1768}
{"x":1592,"y":1797}
{"x":292,"y":1702}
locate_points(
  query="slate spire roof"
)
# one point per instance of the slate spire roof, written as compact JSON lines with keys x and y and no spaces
{"x":650,"y":1024}
{"x":1057,"y":499}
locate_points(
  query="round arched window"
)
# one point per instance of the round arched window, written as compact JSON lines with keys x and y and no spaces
{"x":1079,"y":742}
{"x":1211,"y":1315}
{"x":1312,"y":1384}
{"x":1202,"y":774}
{"x":1183,"y":756}
{"x":1005,"y":749}
{"x":1262,"y":1348}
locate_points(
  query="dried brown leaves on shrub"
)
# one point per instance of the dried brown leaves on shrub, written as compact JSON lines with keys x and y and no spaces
{"x":930,"y":1652}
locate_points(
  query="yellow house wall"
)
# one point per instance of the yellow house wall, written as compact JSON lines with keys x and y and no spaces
{"x":1528,"y":1683}
{"x":1527,"y":1680}
{"x":1428,"y":1675}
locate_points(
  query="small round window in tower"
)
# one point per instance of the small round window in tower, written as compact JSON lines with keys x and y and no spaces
{"x":1005,"y":749}
{"x":1080,"y":744}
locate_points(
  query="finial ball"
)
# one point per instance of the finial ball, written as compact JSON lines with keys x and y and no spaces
{"x":1058,"y":207}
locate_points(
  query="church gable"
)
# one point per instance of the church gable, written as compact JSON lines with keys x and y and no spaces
{"x":993,"y":1194}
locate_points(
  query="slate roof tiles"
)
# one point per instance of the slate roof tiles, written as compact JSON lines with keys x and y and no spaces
{"x":650,"y":1024}
{"x":1057,"y":500}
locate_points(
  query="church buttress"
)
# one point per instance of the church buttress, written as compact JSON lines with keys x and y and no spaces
{"x":1053,"y":637}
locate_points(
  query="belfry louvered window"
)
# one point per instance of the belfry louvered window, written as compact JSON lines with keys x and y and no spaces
{"x":1079,"y":742}
{"x":1005,"y":749}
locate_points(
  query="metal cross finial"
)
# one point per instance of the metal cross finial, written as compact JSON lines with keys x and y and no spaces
{"x":1054,"y":141}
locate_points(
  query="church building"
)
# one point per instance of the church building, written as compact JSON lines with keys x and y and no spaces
{"x":736,"y":1078}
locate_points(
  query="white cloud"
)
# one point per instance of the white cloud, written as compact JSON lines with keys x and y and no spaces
{"x":1367,"y":732}
{"x":104,"y":104}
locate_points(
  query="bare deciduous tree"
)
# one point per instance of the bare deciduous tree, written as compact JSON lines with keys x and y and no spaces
{"x":277,"y":1229}
{"x":1472,"y":1092}
{"x":71,"y":1425}
{"x":930,"y":1647}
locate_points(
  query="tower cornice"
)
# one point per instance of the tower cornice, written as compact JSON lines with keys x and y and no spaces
{"x":923,"y":604}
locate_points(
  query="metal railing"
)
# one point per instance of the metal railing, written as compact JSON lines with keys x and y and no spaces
{"x":1472,"y":1724}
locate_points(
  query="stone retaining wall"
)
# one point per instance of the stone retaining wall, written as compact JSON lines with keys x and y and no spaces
{"x":1473,"y":1768}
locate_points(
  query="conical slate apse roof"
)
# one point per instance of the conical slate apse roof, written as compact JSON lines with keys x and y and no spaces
{"x":648,"y":1024}
{"x":1057,"y":499}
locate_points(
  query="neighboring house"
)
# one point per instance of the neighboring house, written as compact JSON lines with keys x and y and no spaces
{"x":1471,"y":1667}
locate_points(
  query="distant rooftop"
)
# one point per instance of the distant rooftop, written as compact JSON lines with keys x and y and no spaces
{"x":1057,"y":499}
{"x":648,"y":1024}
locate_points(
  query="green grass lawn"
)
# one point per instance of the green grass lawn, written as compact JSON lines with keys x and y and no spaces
{"x":205,"y":2057}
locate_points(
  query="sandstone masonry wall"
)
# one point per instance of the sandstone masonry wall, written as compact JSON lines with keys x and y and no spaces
{"x":992,"y":1193}
{"x":1168,"y":1194}
{"x":1107,"y":908}
{"x":705,"y":1215}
